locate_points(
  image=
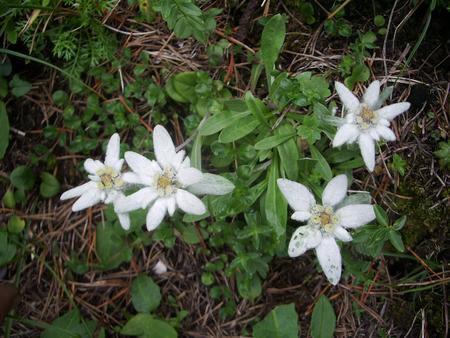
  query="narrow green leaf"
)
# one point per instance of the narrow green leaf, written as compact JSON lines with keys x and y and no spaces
{"x":272,"y":40}
{"x":322,"y":165}
{"x":273,"y":141}
{"x":281,"y":322}
{"x":275,"y":206}
{"x":396,"y":240}
{"x":145,"y":294}
{"x":381,"y":215}
{"x":323,"y":320}
{"x":400,"y":223}
{"x":241,"y":128}
{"x":196,"y":153}
{"x":221,"y":120}
{"x":257,"y":108}
{"x":4,"y":130}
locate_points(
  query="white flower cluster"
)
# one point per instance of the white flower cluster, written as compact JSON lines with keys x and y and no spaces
{"x":167,"y":183}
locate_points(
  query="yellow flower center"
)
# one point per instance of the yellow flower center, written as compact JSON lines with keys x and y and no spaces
{"x":166,"y":183}
{"x":324,"y":218}
{"x":109,"y":178}
{"x":366,"y":117}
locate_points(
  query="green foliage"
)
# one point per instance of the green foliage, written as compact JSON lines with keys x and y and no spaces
{"x":49,"y":185}
{"x":71,"y":324}
{"x":443,"y":153}
{"x":323,"y":319}
{"x":111,"y":245}
{"x":145,"y":294}
{"x":399,"y":164}
{"x":22,"y":178}
{"x":145,"y":326}
{"x":281,"y":322}
{"x":4,"y":130}
{"x":187,"y":19}
{"x":7,"y":249}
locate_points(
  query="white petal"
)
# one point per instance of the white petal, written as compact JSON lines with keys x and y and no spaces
{"x":124,"y":220}
{"x":92,"y":166}
{"x":189,"y":203}
{"x":302,"y":239}
{"x":88,"y":199}
{"x":177,"y":160}
{"x":330,"y":260}
{"x":141,"y":164}
{"x":297,"y":195}
{"x":367,"y":147}
{"x":78,"y":191}
{"x":393,"y":110}
{"x":342,"y":234}
{"x":186,"y":162}
{"x":163,"y":145}
{"x":171,"y":205}
{"x":131,"y":178}
{"x":384,"y":122}
{"x":349,"y":100}
{"x":335,"y":191}
{"x":140,"y":199}
{"x":189,"y":176}
{"x":112,"y":150}
{"x":372,"y":94}
{"x":355,"y":215}
{"x":301,"y":216}
{"x":118,"y":164}
{"x":160,"y":268}
{"x":111,"y":196}
{"x":156,"y":214}
{"x":94,"y":178}
{"x":374,"y":134}
{"x":211,"y":185}
{"x":386,"y":133}
{"x":345,"y":134}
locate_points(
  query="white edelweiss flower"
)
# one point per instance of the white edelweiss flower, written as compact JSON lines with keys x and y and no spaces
{"x":324,"y":223}
{"x":366,"y":122}
{"x":170,"y":182}
{"x":106,"y":183}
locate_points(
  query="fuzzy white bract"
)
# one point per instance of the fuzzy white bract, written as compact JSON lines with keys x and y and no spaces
{"x":106,"y":183}
{"x":169,"y":182}
{"x":366,"y":122}
{"x":325,"y":224}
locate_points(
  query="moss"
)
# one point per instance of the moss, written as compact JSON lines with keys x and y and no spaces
{"x":427,"y":218}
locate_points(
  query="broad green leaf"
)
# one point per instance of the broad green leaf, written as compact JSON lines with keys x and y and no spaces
{"x":190,"y":234}
{"x":112,"y":249}
{"x":49,"y":186}
{"x":381,"y":215}
{"x":18,"y":86}
{"x":145,"y":326}
{"x":145,"y":294}
{"x":272,"y":40}
{"x":16,"y":224}
{"x":22,"y":177}
{"x":4,"y":130}
{"x":239,"y":129}
{"x":273,"y":141}
{"x":70,"y":325}
{"x":281,"y":322}
{"x":221,"y":120}
{"x":8,"y":199}
{"x":322,"y":165}
{"x":257,"y":108}
{"x":7,"y":250}
{"x":323,"y":320}
{"x":249,"y":287}
{"x":396,"y":240}
{"x":275,"y":205}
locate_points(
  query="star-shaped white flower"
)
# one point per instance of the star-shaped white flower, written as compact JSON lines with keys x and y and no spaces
{"x":366,"y":122}
{"x":170,"y":182}
{"x":324,"y":222}
{"x":106,"y":184}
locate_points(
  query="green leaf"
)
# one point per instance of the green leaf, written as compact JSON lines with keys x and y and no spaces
{"x":272,"y":40}
{"x":273,"y":141}
{"x":379,"y":20}
{"x":360,"y":73}
{"x":18,"y":86}
{"x":196,"y":153}
{"x":222,"y":120}
{"x":289,"y":154}
{"x":396,"y":240}
{"x":70,"y":325}
{"x":241,"y":128}
{"x":145,"y":326}
{"x":145,"y":294}
{"x":275,"y":206}
{"x":400,"y":223}
{"x":281,"y":322}
{"x":8,"y":199}
{"x":322,"y":165}
{"x":16,"y":224}
{"x":22,"y":178}
{"x":7,"y":250}
{"x":257,"y":108}
{"x":323,"y":320}
{"x":49,"y":186}
{"x":381,"y":215}
{"x":4,"y":130}
{"x":112,"y":249}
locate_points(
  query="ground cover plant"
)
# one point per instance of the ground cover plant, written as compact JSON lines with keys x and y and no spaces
{"x":224,"y":169}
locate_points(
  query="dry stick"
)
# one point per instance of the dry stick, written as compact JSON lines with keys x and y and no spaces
{"x":235,"y":41}
{"x":337,"y":10}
